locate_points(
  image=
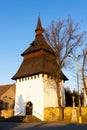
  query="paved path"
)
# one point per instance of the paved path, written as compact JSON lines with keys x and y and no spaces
{"x":41,"y":126}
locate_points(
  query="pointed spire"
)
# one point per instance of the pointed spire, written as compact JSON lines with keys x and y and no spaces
{"x":39,"y":30}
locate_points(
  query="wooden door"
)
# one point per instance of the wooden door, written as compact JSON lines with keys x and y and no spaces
{"x":29,"y":107}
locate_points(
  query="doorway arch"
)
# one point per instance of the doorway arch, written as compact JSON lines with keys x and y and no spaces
{"x":29,"y":108}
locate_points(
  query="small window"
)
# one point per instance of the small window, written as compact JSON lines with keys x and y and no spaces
{"x":1,"y":105}
{"x":6,"y":105}
{"x":22,"y":79}
{"x":42,"y":75}
{"x":38,"y":75}
{"x":19,"y":80}
{"x":34,"y":76}
{"x":25,"y":78}
{"x":47,"y":76}
{"x":51,"y":77}
{"x":31,"y":77}
{"x":12,"y":105}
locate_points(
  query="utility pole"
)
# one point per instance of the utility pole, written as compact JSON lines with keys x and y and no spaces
{"x":79,"y":103}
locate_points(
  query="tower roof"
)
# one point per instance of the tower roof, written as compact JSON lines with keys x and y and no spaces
{"x":38,"y":57}
{"x":39,"y":29}
{"x":39,"y":42}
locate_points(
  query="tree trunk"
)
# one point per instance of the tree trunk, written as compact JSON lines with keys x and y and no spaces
{"x":61,"y":109}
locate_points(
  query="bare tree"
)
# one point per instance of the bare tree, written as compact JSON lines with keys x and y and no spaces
{"x":63,"y":36}
{"x":84,"y":70}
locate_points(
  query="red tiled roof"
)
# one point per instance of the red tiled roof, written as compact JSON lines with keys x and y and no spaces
{"x":4,"y":88}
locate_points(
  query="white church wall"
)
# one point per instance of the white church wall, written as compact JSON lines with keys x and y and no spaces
{"x":50,"y":92}
{"x":50,"y":96}
{"x":30,"y":90}
{"x":40,"y":90}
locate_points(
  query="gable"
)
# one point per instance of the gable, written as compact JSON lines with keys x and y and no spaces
{"x":5,"y":88}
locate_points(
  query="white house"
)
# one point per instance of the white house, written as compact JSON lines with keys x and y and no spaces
{"x":35,"y":88}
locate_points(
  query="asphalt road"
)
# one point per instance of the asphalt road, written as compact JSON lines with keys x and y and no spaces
{"x":41,"y":126}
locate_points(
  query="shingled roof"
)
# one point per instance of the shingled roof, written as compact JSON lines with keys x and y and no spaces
{"x":39,"y":63}
{"x":36,"y":65}
{"x":39,"y":42}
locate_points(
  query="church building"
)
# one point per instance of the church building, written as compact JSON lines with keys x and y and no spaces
{"x":35,"y":87}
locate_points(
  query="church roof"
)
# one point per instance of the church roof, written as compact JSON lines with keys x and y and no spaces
{"x":35,"y":65}
{"x":39,"y":26}
{"x":38,"y":44}
{"x":4,"y":88}
{"x":40,"y":62}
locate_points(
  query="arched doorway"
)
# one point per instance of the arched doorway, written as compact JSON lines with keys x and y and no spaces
{"x":29,"y":107}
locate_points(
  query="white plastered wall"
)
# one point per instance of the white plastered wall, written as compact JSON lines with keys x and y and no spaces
{"x":40,"y":90}
{"x":30,"y":90}
{"x":50,"y":93}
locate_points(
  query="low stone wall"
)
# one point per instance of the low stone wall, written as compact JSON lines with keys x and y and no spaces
{"x":7,"y":113}
{"x":84,"y":113}
{"x":52,"y":114}
{"x":68,"y":113}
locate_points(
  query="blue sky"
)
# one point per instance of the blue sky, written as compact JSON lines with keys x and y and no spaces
{"x":18,"y":20}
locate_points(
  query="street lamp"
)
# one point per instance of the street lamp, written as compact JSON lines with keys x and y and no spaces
{"x":79,"y":103}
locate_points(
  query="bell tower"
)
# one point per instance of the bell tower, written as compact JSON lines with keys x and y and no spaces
{"x":34,"y":83}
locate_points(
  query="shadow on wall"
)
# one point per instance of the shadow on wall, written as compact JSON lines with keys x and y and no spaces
{"x":19,"y":105}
